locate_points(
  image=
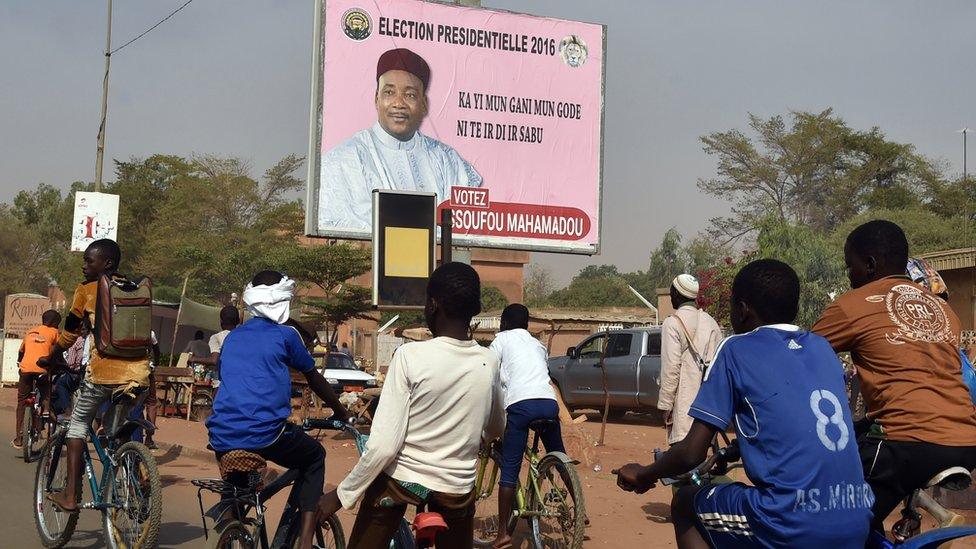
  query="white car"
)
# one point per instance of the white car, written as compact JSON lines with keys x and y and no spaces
{"x":344,"y":376}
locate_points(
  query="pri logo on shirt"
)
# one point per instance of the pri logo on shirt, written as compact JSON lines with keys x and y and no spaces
{"x":918,"y":316}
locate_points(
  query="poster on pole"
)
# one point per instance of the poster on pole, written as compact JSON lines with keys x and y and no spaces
{"x":499,"y":114}
{"x":96,"y":217}
{"x":403,"y":248}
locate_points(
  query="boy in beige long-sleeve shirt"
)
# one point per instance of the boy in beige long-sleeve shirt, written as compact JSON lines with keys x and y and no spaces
{"x":440,"y":399}
{"x":686,"y":336}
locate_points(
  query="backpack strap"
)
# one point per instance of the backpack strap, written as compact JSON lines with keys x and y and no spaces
{"x":691,"y":344}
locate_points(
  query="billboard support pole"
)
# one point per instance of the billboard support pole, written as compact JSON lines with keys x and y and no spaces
{"x":447,"y":239}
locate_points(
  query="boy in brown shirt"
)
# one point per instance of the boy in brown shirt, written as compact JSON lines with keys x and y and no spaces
{"x":905,"y":343}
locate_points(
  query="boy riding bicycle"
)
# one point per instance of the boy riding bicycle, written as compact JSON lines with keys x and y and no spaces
{"x":252,"y":407}
{"x":524,"y":376}
{"x":904,"y":341}
{"x":783,"y":390}
{"x":439,"y":399}
{"x":37,"y":344}
{"x":106,"y":376}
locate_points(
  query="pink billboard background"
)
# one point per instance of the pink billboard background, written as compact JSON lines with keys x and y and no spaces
{"x":561,"y":171}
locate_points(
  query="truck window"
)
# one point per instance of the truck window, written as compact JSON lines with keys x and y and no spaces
{"x":593,"y":348}
{"x":653,"y":344}
{"x":619,"y":345}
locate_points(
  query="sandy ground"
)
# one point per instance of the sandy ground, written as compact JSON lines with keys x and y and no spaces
{"x":618,"y":519}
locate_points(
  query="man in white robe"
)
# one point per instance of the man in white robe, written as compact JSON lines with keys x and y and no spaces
{"x":689,"y":339}
{"x":393,"y":153}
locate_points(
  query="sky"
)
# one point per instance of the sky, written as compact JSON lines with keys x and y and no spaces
{"x":231,"y":77}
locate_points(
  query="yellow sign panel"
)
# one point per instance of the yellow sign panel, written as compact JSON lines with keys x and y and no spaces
{"x":406,"y":252}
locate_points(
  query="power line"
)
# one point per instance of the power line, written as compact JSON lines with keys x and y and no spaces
{"x":150,"y":29}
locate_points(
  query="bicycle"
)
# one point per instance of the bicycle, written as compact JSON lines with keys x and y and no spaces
{"x":542,"y":501}
{"x":720,"y":462}
{"x":232,"y":525}
{"x":129,"y":494}
{"x":420,"y":533}
{"x":38,"y":428}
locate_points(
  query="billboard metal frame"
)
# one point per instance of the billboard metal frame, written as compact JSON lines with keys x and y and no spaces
{"x":314,"y":157}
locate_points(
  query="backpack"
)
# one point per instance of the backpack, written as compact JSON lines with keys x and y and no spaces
{"x":123,"y":317}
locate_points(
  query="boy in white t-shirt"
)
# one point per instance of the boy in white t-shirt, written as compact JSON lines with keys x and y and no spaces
{"x":528,"y":397}
{"x":441,"y":398}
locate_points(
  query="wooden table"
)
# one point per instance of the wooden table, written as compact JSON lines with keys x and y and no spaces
{"x":179,"y":380}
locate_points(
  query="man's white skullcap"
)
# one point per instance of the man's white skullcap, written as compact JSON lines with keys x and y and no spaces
{"x":686,"y":285}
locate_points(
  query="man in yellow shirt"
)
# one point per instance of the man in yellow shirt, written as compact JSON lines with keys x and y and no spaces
{"x":37,"y":344}
{"x":106,"y":375}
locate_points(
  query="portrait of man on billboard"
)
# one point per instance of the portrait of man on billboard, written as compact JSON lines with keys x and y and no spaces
{"x":391,"y":154}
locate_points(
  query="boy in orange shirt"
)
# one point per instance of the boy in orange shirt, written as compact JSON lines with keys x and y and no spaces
{"x":37,"y":344}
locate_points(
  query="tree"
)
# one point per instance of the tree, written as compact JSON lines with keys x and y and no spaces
{"x":817,"y":264}
{"x":22,"y":265}
{"x":815,"y":172}
{"x":595,"y":286}
{"x":492,"y":299}
{"x":214,"y":221}
{"x":539,"y":285}
{"x":328,"y":269}
{"x":926,"y":230}
{"x":667,"y":261}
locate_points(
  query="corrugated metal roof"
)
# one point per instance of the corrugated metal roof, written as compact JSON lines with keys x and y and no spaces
{"x":946,"y":260}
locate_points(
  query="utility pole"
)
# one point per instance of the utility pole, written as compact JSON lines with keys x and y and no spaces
{"x":100,"y":153}
{"x":964,"y":132}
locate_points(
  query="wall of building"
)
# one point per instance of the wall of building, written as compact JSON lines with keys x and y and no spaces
{"x":962,"y":294}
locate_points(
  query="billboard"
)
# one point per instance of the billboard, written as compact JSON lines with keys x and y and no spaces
{"x":96,"y":216}
{"x":499,"y":114}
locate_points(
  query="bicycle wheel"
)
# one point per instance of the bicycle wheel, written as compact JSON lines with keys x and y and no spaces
{"x":559,"y":502}
{"x":486,"y":524}
{"x":135,"y":495}
{"x":329,"y":537}
{"x":28,"y":434}
{"x":53,"y":526}
{"x":232,"y":534}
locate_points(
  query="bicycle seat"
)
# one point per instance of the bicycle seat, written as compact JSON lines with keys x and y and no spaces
{"x":427,"y":525}
{"x":240,"y":461}
{"x":539,"y":425}
{"x":953,"y":478}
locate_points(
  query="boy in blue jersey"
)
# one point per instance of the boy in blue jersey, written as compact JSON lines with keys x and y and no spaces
{"x":783,"y":390}
{"x":254,"y":401}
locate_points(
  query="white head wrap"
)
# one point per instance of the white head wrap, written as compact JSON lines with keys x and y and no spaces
{"x":271,"y":302}
{"x":686,"y":285}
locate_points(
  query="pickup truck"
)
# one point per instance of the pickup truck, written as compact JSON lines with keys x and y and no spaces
{"x":633,"y":364}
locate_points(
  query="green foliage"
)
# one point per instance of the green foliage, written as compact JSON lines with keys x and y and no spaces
{"x":328,"y":269}
{"x":492,"y":299}
{"x":817,"y":264}
{"x":926,"y":230}
{"x":815,"y":171}
{"x":595,"y":286}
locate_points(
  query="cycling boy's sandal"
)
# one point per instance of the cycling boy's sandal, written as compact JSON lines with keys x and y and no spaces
{"x":50,"y":499}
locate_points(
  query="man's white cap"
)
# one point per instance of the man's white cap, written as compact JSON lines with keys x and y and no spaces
{"x":686,"y":285}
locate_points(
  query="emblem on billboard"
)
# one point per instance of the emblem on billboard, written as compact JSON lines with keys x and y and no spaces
{"x":357,"y":24}
{"x":918,"y":316}
{"x":573,"y":51}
